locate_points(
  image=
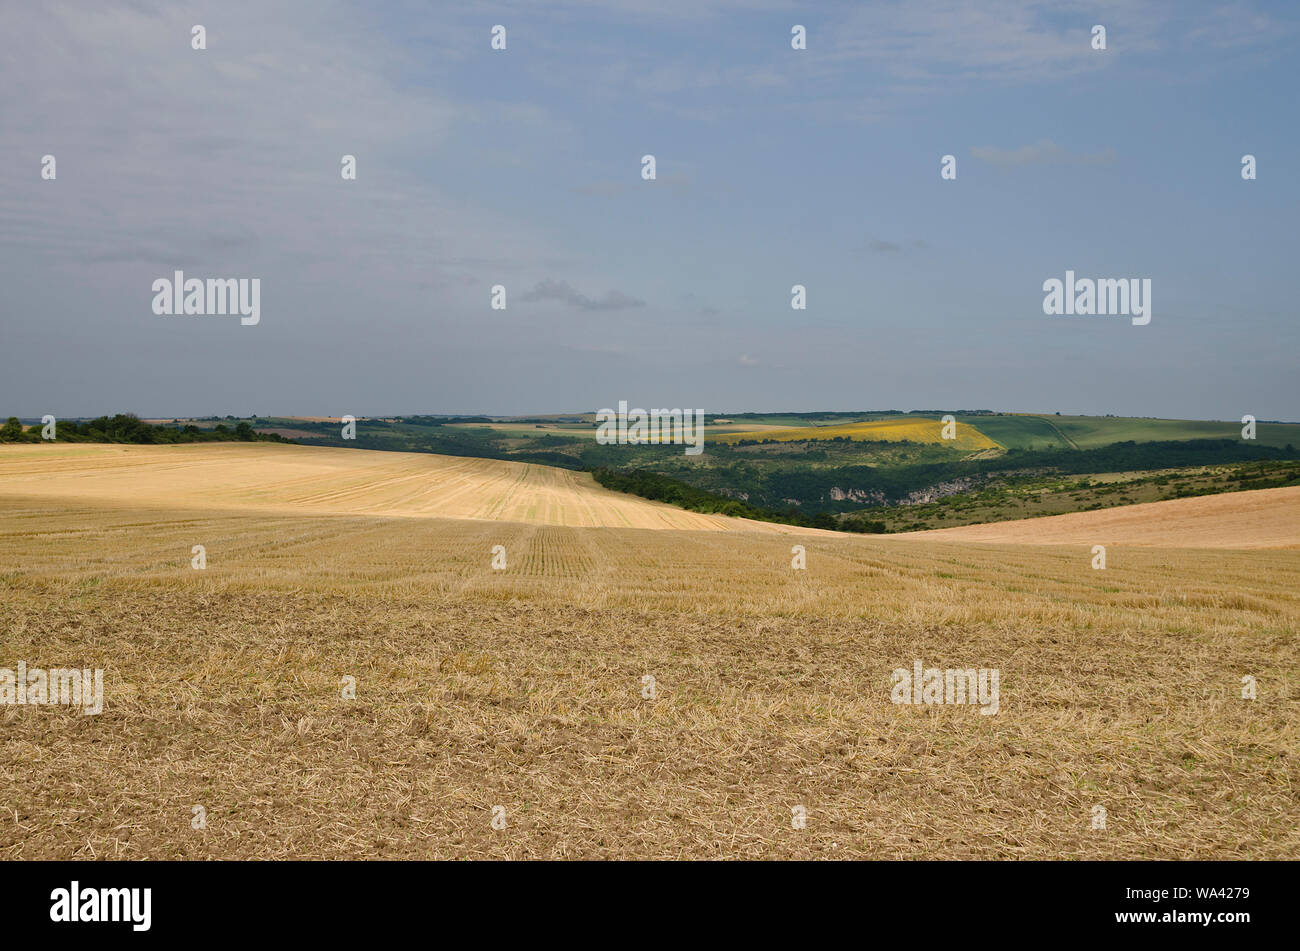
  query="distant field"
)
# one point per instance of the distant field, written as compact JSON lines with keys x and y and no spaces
{"x":589,"y":429}
{"x":309,"y":479}
{"x":1019,"y":432}
{"x":1009,"y":431}
{"x":321,"y":419}
{"x":577,"y":429}
{"x":1267,"y":518}
{"x":785,"y":421}
{"x":288,"y":433}
{"x":1090,"y":431}
{"x":915,"y":429}
{"x":1031,"y":431}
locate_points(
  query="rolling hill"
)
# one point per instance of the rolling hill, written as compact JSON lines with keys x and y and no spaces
{"x":322,"y":480}
{"x":1266,"y":518}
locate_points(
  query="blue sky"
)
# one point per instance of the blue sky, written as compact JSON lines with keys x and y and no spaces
{"x":775,"y":167}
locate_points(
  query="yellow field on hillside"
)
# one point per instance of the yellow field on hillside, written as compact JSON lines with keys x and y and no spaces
{"x":589,"y":428}
{"x":316,"y":479}
{"x":887,"y":430}
{"x":1264,"y":518}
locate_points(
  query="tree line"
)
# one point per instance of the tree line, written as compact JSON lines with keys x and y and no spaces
{"x":662,"y":488}
{"x":128,"y":428}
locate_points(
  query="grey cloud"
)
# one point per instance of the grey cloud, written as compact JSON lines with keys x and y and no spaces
{"x":565,"y":293}
{"x":602,"y":189}
{"x":1043,"y":152}
{"x":881,"y":246}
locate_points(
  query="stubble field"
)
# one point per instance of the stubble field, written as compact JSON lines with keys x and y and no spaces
{"x":1265,"y":518}
{"x":523,"y":688}
{"x":319,"y":480}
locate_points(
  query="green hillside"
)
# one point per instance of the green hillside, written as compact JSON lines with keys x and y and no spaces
{"x":1018,"y":432}
{"x":1091,"y":431}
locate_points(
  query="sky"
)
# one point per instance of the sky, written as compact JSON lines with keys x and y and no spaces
{"x":522,"y":168}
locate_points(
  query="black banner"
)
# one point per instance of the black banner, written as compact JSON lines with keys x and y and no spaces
{"x":948,"y":902}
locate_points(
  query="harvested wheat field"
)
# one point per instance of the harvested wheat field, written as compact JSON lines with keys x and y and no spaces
{"x":316,"y":479}
{"x":526,"y":687}
{"x":1264,"y":518}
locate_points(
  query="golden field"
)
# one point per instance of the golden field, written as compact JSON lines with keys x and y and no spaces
{"x":523,"y":687}
{"x":316,"y":479}
{"x":1265,"y":518}
{"x":880,"y":430}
